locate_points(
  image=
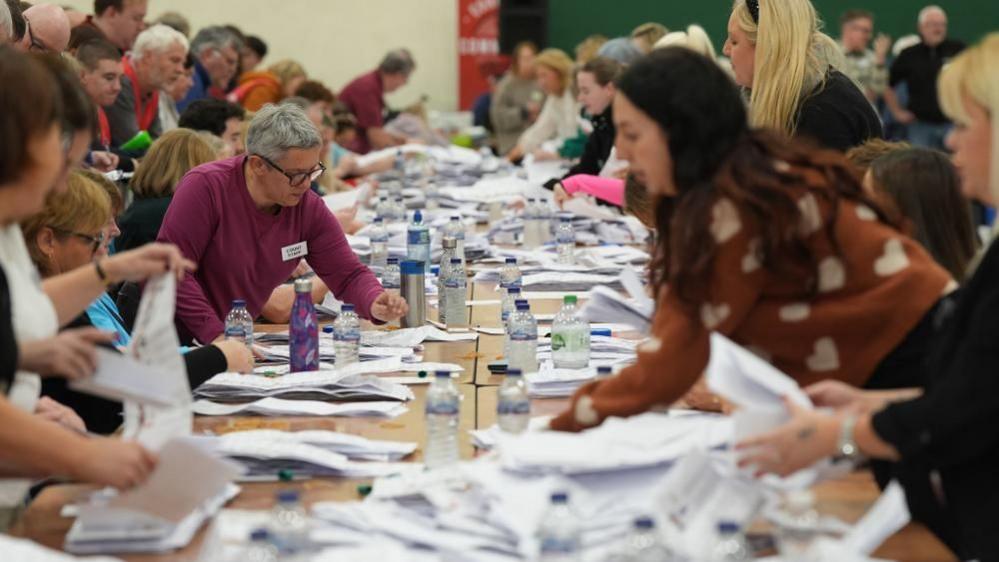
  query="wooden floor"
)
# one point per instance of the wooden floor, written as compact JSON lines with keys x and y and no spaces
{"x":847,"y":498}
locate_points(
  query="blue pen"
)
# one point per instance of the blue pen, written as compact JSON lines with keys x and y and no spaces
{"x":601,"y":332}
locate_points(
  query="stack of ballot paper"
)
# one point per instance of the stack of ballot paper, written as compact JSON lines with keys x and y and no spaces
{"x":550,"y":382}
{"x":353,"y":447}
{"x":604,"y":351}
{"x":162,"y":514}
{"x":280,"y":407}
{"x":318,"y":385}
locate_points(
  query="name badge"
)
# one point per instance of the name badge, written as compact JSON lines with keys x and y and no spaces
{"x":295,"y":251}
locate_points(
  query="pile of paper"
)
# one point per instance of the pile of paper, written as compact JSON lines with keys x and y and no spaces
{"x":604,"y":351}
{"x":607,"y":305}
{"x":162,"y":514}
{"x":489,"y":437}
{"x":264,"y":453}
{"x":353,"y":447}
{"x":550,"y":382}
{"x":280,"y":407}
{"x":344,"y":384}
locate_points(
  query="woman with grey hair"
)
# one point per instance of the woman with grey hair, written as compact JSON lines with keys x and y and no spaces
{"x":247,"y":221}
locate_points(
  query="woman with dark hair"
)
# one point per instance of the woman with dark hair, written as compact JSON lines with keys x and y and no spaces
{"x":771,"y":243}
{"x":924,"y":185}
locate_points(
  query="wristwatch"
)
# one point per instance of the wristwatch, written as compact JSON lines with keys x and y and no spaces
{"x":846,"y":446}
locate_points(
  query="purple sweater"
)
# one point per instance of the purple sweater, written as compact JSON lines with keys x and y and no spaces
{"x":238,"y":249}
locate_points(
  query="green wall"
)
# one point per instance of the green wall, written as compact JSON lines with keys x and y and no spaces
{"x":570,"y":21}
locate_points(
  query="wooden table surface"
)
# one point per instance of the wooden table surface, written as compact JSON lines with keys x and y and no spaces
{"x":847,"y":498}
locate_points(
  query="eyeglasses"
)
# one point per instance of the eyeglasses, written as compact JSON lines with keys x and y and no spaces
{"x":35,"y":45}
{"x":297,"y":179}
{"x":94,"y":241}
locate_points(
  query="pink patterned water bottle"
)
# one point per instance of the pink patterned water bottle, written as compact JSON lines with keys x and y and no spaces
{"x":304,"y":330}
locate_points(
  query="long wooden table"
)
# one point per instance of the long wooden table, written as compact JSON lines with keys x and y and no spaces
{"x":847,"y":498}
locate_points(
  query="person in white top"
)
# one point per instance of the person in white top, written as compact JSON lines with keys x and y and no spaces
{"x":559,"y":118}
{"x":39,"y":95}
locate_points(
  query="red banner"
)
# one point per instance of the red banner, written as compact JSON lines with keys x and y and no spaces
{"x":478,"y":48}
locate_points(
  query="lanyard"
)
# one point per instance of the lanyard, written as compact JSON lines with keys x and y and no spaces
{"x":105,"y":127}
{"x":144,"y":115}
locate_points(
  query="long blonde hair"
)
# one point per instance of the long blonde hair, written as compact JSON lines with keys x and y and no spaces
{"x":82,"y":208}
{"x":172,"y":156}
{"x":975,"y":73}
{"x":792,"y":58}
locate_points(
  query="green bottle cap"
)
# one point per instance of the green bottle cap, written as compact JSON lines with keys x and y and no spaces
{"x":422,"y":374}
{"x":285,"y":475}
{"x":363,"y":490}
{"x":569,"y":299}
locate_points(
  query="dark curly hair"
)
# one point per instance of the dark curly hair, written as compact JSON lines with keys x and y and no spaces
{"x":715,"y":155}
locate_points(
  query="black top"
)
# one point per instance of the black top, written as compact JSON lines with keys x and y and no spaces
{"x":141,"y":222}
{"x":838,"y":115}
{"x":953,"y":428}
{"x":104,"y":416}
{"x":8,"y":344}
{"x":918,"y":66}
{"x":597,"y":150}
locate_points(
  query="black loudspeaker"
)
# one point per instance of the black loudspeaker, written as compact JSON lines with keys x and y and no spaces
{"x":523,"y":20}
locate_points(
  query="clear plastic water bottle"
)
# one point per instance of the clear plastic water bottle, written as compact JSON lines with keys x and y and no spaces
{"x":559,"y":535}
{"x":303,"y":330}
{"x":544,"y":215}
{"x":239,"y":323}
{"x":644,"y":543}
{"x":443,"y":404}
{"x":392,"y":276}
{"x":508,"y":310}
{"x":379,"y":244}
{"x":510,"y":276}
{"x":456,"y":230}
{"x":418,"y":240}
{"x":289,"y":525}
{"x":399,"y":166}
{"x":384,"y":208}
{"x":523,"y":339}
{"x":530,"y":219}
{"x":565,"y":240}
{"x":513,"y":412}
{"x":346,"y":336}
{"x":448,"y":246}
{"x":799,"y":525}
{"x":399,"y":208}
{"x":570,"y":337}
{"x":731,"y":545}
{"x":261,"y":547}
{"x":432,"y":193}
{"x":455,"y":287}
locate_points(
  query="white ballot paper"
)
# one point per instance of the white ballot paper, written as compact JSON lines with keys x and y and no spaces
{"x":889,"y":514}
{"x":581,"y":206}
{"x":281,"y":407}
{"x":162,"y":514}
{"x":155,"y":343}
{"x":122,"y":378}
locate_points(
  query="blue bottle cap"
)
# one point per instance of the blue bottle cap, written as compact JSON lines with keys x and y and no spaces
{"x":511,"y":261}
{"x":455,"y":218}
{"x":455,"y":261}
{"x":600,"y":332}
{"x":347,"y":308}
{"x":604,"y":370}
{"x":560,"y":497}
{"x":393,"y":261}
{"x":238,"y":302}
{"x":379,"y":220}
{"x":288,"y":496}
{"x":412,"y":267}
{"x":435,"y":269}
{"x":417,"y":216}
{"x":260,"y":534}
{"x":514,"y":372}
{"x":644,"y":523}
{"x":728,"y":527}
{"x":565,"y":219}
{"x":398,"y":199}
{"x":443,"y":374}
{"x":513,"y":291}
{"x":523,"y":306}
{"x":327,"y":329}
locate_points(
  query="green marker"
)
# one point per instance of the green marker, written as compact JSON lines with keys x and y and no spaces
{"x":363,"y":490}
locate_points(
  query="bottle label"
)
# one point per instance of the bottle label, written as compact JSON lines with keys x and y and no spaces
{"x":418,"y":236}
{"x":442,"y":408}
{"x":513,"y":407}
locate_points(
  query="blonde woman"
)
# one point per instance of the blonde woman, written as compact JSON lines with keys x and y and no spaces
{"x":944,"y":438}
{"x":587,"y":49}
{"x":258,"y":88}
{"x":559,"y":117}
{"x":781,"y":56}
{"x":172,"y":156}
